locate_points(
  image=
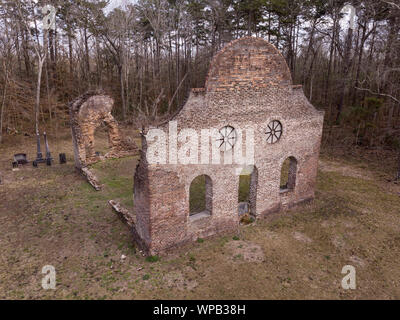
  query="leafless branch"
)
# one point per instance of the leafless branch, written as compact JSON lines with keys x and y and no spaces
{"x":393,"y":4}
{"x":379,"y":94}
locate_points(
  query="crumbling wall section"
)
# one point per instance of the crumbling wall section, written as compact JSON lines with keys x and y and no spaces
{"x":141,"y":201}
{"x":87,"y":113}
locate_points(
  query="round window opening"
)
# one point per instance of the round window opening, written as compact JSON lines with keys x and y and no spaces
{"x":274,"y":132}
{"x":227,"y":138}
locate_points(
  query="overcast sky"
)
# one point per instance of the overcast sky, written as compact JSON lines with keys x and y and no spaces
{"x":115,"y":3}
{"x":345,"y":22}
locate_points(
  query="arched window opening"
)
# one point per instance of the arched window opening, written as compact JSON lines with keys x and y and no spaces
{"x":288,"y":175}
{"x":248,"y":181}
{"x":99,"y":140}
{"x":200,"y":197}
{"x":102,"y":139}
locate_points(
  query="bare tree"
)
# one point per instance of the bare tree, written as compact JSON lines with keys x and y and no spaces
{"x":26,"y":11}
{"x":6,"y":46}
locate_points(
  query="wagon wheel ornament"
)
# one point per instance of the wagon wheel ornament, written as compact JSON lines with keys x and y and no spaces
{"x":227,"y":138}
{"x":274,"y":132}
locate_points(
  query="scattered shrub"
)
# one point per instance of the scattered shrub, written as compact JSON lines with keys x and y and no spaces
{"x":146,"y":277}
{"x":152,"y":258}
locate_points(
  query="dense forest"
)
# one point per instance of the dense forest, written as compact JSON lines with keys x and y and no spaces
{"x":148,"y":54}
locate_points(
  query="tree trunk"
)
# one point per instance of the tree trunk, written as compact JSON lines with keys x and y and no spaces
{"x":70,"y":53}
{"x":331,"y":54}
{"x":364,"y":37}
{"x":3,"y":100}
{"x":398,"y":170}
{"x":121,"y":81}
{"x":87,"y":61}
{"x":37,"y":103}
{"x":26,"y":54}
{"x":345,"y":74}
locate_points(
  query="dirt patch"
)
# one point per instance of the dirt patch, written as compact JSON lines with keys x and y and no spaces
{"x":302,"y":237}
{"x":345,"y":170}
{"x":245,"y":251}
{"x":271,"y":235}
{"x":177,"y":280}
{"x":338,"y":242}
{"x":358,"y":261}
{"x":327,"y":224}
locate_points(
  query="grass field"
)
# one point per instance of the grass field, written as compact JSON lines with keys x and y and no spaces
{"x":51,"y":216}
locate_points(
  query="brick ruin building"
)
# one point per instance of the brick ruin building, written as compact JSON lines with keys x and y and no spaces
{"x":87,"y":113}
{"x":248,"y":85}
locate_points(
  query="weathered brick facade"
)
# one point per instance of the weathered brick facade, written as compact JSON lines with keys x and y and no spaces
{"x":248,"y":86}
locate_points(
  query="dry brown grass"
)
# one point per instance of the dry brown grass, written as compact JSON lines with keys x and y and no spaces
{"x":52,"y":216}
